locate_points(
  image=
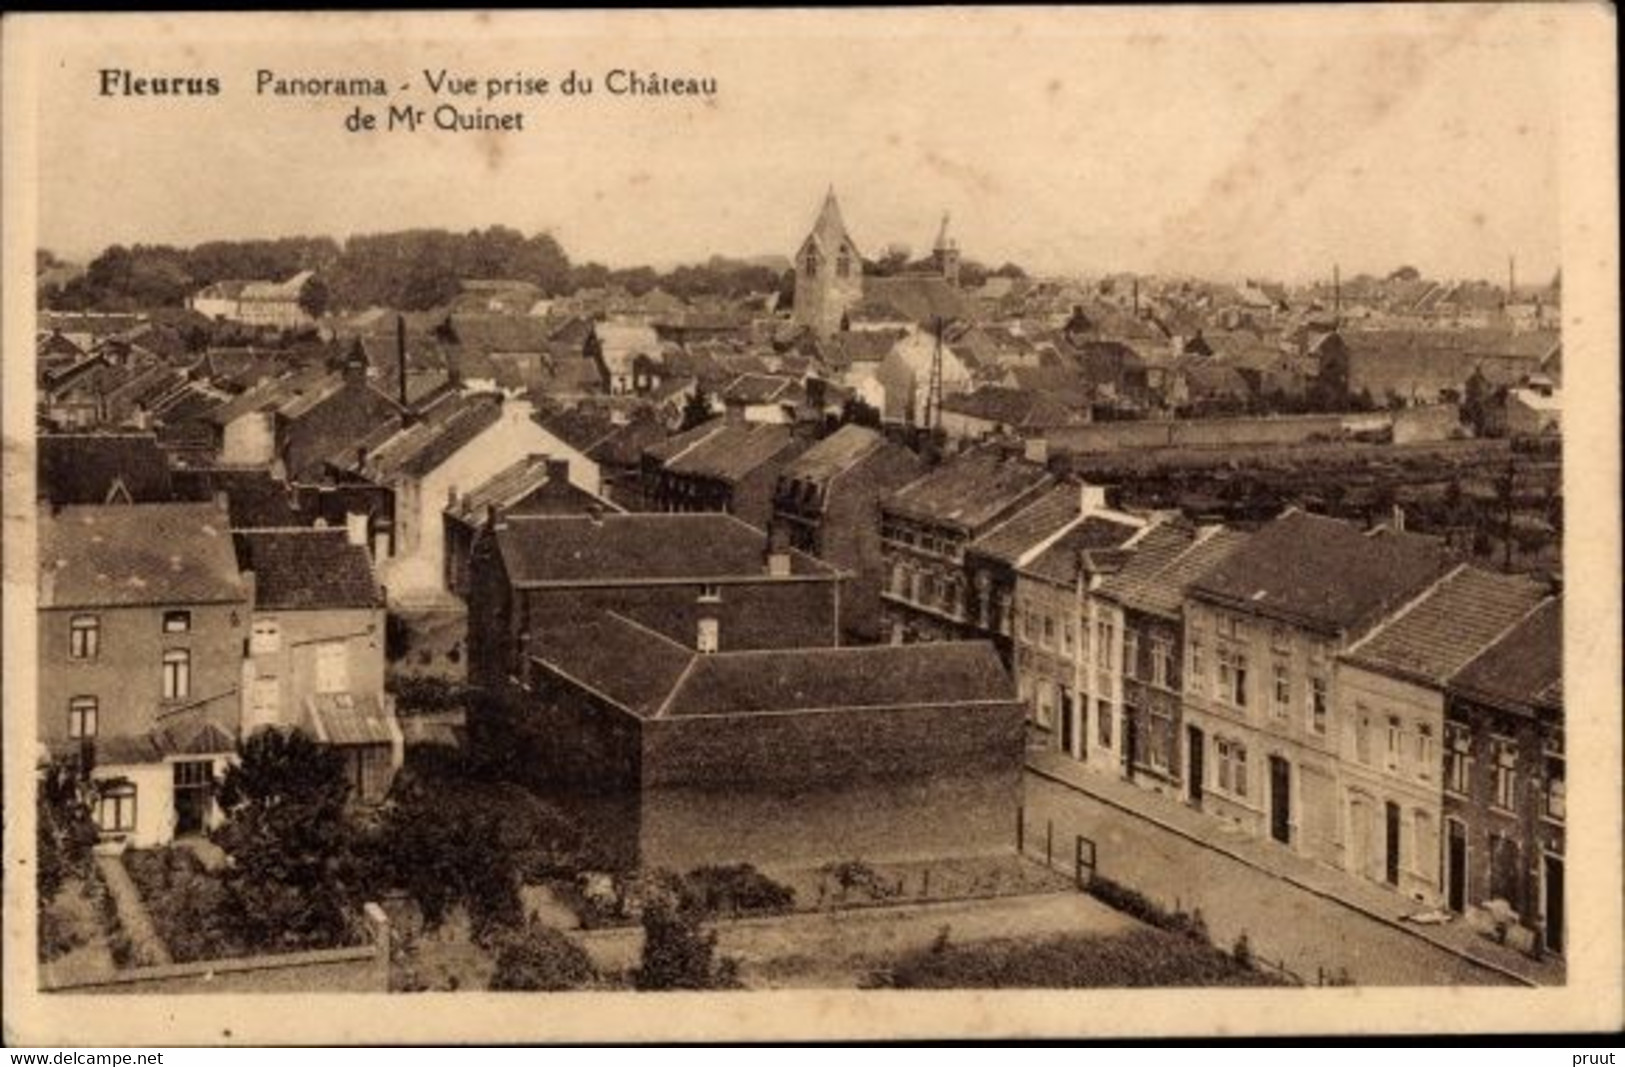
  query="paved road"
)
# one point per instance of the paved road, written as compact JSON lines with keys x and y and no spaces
{"x":1283,"y":922}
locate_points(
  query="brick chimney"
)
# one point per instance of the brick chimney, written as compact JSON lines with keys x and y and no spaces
{"x":558,"y":470}
{"x":778,"y":553}
{"x":1091,"y":497}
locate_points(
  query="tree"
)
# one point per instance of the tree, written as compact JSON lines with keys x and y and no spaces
{"x":445,"y":849}
{"x":65,"y":831}
{"x":293,"y":878}
{"x":540,"y":957}
{"x":678,"y":951}
{"x":314,"y":297}
{"x":1406,"y":273}
{"x":860,"y":411}
{"x":696,"y":409}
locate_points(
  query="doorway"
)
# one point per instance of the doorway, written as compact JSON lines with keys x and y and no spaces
{"x":1193,"y":749}
{"x":1281,"y":800}
{"x":1553,"y":883}
{"x":1068,"y":729}
{"x":1455,"y":874}
{"x":194,"y":794}
{"x":1391,"y":844}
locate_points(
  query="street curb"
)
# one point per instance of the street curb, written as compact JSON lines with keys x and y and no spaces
{"x":1290,"y":879}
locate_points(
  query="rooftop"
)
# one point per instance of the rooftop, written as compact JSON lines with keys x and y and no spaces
{"x":723,"y":449}
{"x":1166,"y":561}
{"x":840,"y":451}
{"x":307,"y":569}
{"x":1454,"y":622}
{"x":1524,"y":669}
{"x":640,"y":547}
{"x":969,"y":491}
{"x":1058,"y":561}
{"x":120,"y":555}
{"x":1324,"y":574}
{"x":90,"y":468}
{"x":655,"y":677}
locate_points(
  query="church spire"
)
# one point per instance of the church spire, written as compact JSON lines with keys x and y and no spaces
{"x":830,"y":229}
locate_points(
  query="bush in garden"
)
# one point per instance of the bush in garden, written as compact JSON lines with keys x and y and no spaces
{"x":540,"y":957}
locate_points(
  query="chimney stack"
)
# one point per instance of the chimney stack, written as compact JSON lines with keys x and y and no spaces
{"x":355,"y":528}
{"x":558,"y":470}
{"x":778,"y":552}
{"x":1091,"y":497}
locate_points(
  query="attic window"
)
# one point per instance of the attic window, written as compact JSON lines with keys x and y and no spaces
{"x":710,"y":594}
{"x":177,"y":622}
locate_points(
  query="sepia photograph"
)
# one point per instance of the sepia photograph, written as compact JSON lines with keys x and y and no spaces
{"x":1087,"y":514}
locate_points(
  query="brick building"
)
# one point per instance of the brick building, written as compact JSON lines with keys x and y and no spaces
{"x":142,"y":616}
{"x":783,"y":757}
{"x":704,"y":580}
{"x":1504,"y":778}
{"x":726,"y":465}
{"x":828,"y":504}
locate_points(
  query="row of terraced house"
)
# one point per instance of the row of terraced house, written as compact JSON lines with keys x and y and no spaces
{"x":1358,"y":696}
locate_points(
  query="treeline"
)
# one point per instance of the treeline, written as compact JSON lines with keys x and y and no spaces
{"x":412,"y":270}
{"x":972,"y":273}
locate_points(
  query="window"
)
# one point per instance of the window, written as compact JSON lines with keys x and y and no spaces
{"x":1232,"y":766}
{"x":332,"y":667}
{"x":82,"y":714}
{"x":1103,"y":716}
{"x":710,"y":636}
{"x":1424,"y":752}
{"x":1279,"y":641}
{"x":115,"y":812}
{"x":1162,"y":662}
{"x":843,"y":265}
{"x":1131,"y":653}
{"x":177,"y":622}
{"x":1281,"y":704}
{"x":1457,"y":758}
{"x":711,"y":594}
{"x":265,"y":637}
{"x":1506,"y":763}
{"x":1103,"y":646}
{"x":1391,"y":751}
{"x":1067,"y":637}
{"x":1505,"y":868}
{"x":1318,"y":702}
{"x":1195,"y":673}
{"x":177,"y":674}
{"x":84,"y":637}
{"x":1232,"y":676}
{"x":1362,"y":734}
{"x":1029,"y":625}
{"x":1049,"y":632}
{"x":1556,"y":789}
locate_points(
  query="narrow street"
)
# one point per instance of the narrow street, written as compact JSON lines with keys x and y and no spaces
{"x":1283,"y":922}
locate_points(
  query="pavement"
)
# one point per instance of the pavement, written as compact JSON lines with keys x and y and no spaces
{"x":1299,"y":914}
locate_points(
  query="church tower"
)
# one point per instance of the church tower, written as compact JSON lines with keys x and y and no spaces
{"x":829,"y":272}
{"x":946,"y":254}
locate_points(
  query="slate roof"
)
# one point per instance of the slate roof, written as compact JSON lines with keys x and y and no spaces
{"x":1322,"y":573}
{"x":1015,"y":408}
{"x":1048,"y":515}
{"x":1095,"y":534}
{"x":254,"y":499}
{"x":84,"y":468}
{"x":839,"y":452}
{"x":858,"y":346}
{"x":412,"y":451}
{"x":1524,"y":669}
{"x":278,"y":393}
{"x":969,"y":491}
{"x":639,"y":547}
{"x":1454,"y":622}
{"x":121,"y":555}
{"x":1156,"y":583}
{"x":307,"y":570}
{"x":655,"y":677}
{"x":581,"y":428}
{"x":624,"y":445}
{"x":757,"y":388}
{"x":730,"y":451}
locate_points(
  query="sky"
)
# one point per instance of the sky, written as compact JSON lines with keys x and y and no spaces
{"x":1218,"y":143}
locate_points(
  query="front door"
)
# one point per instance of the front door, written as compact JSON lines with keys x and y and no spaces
{"x":1554,"y":903}
{"x":1193,"y":748}
{"x":194,"y":793}
{"x":1391,"y":848}
{"x":1281,"y":800}
{"x":1456,"y":868}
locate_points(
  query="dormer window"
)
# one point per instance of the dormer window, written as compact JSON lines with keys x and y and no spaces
{"x":177,"y":622}
{"x":710,"y":594}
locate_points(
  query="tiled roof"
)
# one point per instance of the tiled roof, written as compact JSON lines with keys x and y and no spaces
{"x":130,"y":554}
{"x":349,"y":719}
{"x":970,"y":490}
{"x":1044,"y":518}
{"x":416,"y":449}
{"x":254,"y":499}
{"x":757,"y":388}
{"x":581,"y":428}
{"x":526,"y":480}
{"x":859,"y":346}
{"x":1524,"y":669}
{"x":1454,"y":622}
{"x":1058,"y":562}
{"x":1157,"y":583}
{"x":307,"y":569}
{"x":732,"y":451}
{"x":1323,"y":573}
{"x":839,"y":452}
{"x":85,"y":468}
{"x":1016,"y":408}
{"x":610,"y":549}
{"x":655,"y":677}
{"x":624,"y":445}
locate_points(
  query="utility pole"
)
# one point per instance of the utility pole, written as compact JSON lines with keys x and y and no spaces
{"x":933,"y":392}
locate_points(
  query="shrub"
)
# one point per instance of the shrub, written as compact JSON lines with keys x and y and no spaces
{"x":678,"y":951}
{"x":540,"y":957}
{"x":187,"y":903}
{"x":739,"y":889}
